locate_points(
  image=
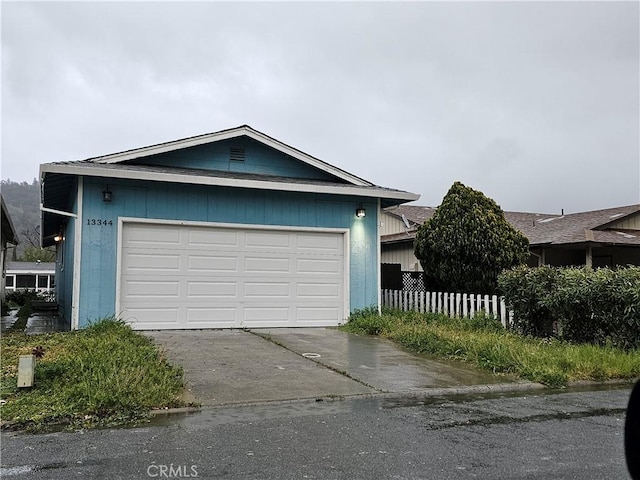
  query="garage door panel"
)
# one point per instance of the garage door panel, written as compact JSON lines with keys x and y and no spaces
{"x":319,"y":266}
{"x":212,"y":289}
{"x":267,"y":264}
{"x":224,"y":277}
{"x":320,"y":244}
{"x":153,"y":315}
{"x":152,"y":261}
{"x":152,"y":236}
{"x":318,"y":290}
{"x":219,"y":316}
{"x":213,"y":264}
{"x":152,"y":288}
{"x":200,"y":237}
{"x":265,"y":315}
{"x":316,"y":314}
{"x":259,"y":240}
{"x":267,"y":290}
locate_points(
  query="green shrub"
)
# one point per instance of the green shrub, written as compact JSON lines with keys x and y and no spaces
{"x":524,"y":289}
{"x":467,"y":243}
{"x":600,"y":306}
{"x":21,"y":297}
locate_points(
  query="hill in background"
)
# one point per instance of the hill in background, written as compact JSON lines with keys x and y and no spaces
{"x":23,"y":202}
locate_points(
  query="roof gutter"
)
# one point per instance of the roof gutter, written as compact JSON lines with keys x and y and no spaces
{"x":57,"y":212}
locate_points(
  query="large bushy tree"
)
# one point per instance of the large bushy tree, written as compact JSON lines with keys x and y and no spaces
{"x":467,"y":243}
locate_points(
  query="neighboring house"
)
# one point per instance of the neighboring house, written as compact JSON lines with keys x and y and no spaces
{"x":38,"y":276}
{"x":599,"y":238}
{"x":9,"y":237}
{"x":224,"y":230}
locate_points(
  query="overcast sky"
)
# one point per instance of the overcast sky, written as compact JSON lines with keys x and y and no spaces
{"x":535,"y":104}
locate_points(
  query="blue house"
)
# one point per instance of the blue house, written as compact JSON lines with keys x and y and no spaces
{"x":229,"y":229}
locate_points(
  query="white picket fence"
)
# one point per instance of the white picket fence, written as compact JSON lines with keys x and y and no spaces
{"x":451,"y":304}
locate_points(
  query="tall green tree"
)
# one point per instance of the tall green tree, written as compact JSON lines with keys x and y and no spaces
{"x":467,"y":243}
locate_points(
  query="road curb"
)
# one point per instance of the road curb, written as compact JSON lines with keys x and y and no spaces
{"x":489,"y":389}
{"x":428,"y":392}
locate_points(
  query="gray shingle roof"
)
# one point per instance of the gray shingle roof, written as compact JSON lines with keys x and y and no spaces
{"x":541,"y":229}
{"x":31,"y":266}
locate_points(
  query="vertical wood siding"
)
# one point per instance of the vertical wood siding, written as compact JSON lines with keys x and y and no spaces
{"x":391,"y":225}
{"x":259,"y":159}
{"x":403,"y":254}
{"x":631,"y":223}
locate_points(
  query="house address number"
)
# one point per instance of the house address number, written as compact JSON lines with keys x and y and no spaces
{"x":99,"y":221}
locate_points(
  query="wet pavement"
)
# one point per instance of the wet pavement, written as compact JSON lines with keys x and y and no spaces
{"x":561,"y":436}
{"x":234,"y":366}
{"x":239,"y":366}
{"x":7,"y":321}
{"x":46,"y":321}
{"x":378,"y":362}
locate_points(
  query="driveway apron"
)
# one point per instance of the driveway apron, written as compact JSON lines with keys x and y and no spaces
{"x":238,"y":366}
{"x":235,"y":366}
{"x":378,"y":362}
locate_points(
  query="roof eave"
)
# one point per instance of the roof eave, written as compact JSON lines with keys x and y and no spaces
{"x":340,"y":189}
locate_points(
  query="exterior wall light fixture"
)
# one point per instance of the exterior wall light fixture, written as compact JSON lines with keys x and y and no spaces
{"x":360,"y":212}
{"x":107,"y":195}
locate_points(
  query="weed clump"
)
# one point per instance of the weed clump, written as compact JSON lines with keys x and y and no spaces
{"x":484,"y":343}
{"x":104,"y":374}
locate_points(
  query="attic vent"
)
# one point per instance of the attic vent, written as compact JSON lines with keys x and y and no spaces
{"x":236,"y":154}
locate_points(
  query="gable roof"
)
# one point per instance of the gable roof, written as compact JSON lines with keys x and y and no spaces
{"x":126,"y":165}
{"x":597,"y":226}
{"x":243,"y":130}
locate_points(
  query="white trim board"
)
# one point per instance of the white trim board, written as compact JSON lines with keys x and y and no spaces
{"x":77,"y":259}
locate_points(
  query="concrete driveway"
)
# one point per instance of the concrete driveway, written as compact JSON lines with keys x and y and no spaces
{"x":239,"y":366}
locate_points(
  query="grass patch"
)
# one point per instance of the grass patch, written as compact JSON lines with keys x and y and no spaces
{"x":106,"y":374}
{"x":482,"y":342}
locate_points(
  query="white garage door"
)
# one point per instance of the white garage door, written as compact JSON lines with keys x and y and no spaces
{"x":181,"y":277}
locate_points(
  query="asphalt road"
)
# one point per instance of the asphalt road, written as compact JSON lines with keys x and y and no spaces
{"x":569,"y":435}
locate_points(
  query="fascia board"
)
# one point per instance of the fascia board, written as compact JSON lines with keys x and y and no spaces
{"x":225,"y":135}
{"x":93,"y":171}
{"x":293,"y":152}
{"x":168,"y":146}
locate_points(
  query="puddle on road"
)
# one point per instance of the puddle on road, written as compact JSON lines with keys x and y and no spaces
{"x":208,"y":417}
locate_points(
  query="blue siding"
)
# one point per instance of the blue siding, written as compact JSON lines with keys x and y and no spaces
{"x":259,"y":159}
{"x":64,"y":265}
{"x":214,"y":204}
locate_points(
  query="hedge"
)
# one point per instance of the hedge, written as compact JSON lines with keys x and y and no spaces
{"x":581,"y":305}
